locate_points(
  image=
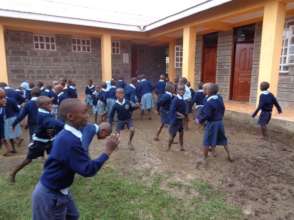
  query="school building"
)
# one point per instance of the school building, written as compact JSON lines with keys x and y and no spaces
{"x":235,"y":43}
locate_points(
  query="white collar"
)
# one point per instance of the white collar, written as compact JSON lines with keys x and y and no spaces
{"x":142,"y":80}
{"x":265,"y":92}
{"x":43,"y":111}
{"x":61,"y":93}
{"x":132,"y":85}
{"x":42,"y":88}
{"x":74,"y":131}
{"x":212,"y":97}
{"x":169,"y":93}
{"x":104,"y":90}
{"x":200,"y":90}
{"x":47,"y":90}
{"x":90,"y":87}
{"x":72,"y":87}
{"x":113,"y":86}
{"x":121,"y":103}
{"x":180,"y":97}
{"x":161,"y":80}
{"x":34,"y":98}
{"x":7,"y":87}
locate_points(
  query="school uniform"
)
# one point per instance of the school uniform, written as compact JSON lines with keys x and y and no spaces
{"x":11,"y":111}
{"x":163,"y":106}
{"x":62,"y":96}
{"x":30,"y":109}
{"x":213,"y":113}
{"x":47,"y":92}
{"x":51,"y":196}
{"x":120,"y":84}
{"x":89,"y":131}
{"x":198,"y":99}
{"x":176,"y":123}
{"x":130,"y":93}
{"x":187,"y":98}
{"x":45,"y":133}
{"x":55,"y":103}
{"x":145,"y":89}
{"x":14,"y":95}
{"x":71,"y":91}
{"x":110,"y":98}
{"x":88,"y":92}
{"x":160,"y":87}
{"x":124,"y":111}
{"x":266,"y":103}
{"x":2,"y":109}
{"x":99,"y":102}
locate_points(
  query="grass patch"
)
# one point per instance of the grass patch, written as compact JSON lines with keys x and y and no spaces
{"x":111,"y":195}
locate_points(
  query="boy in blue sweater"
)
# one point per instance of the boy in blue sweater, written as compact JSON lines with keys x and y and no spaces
{"x":266,"y":103}
{"x":145,"y":90}
{"x":30,"y":109}
{"x":177,"y":115}
{"x":163,"y":106}
{"x":110,"y":96}
{"x":124,"y":109}
{"x":90,"y":88}
{"x":198,"y":98}
{"x":43,"y":136}
{"x":212,"y":113}
{"x":52,"y":197}
{"x":130,"y":92}
{"x":160,"y":86}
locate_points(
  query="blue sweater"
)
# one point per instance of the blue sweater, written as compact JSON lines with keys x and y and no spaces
{"x":61,"y":96}
{"x":120,"y":84}
{"x":2,"y":123}
{"x":110,"y":94}
{"x":213,"y":109}
{"x":266,"y":103}
{"x":198,"y":97}
{"x":67,"y":158}
{"x":99,"y":96}
{"x":124,"y":111}
{"x":71,"y":91}
{"x":48,"y":92}
{"x":130,"y":93}
{"x":145,"y":87}
{"x":16,"y":96}
{"x":11,"y":108}
{"x":31,"y":110}
{"x":164,"y":102}
{"x":89,"y":89}
{"x":89,"y":131}
{"x":160,"y":87}
{"x":177,"y":105}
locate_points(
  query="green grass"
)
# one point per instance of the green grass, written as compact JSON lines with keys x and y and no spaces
{"x":110,"y":195}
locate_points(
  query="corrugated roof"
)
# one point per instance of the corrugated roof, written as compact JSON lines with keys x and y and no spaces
{"x":124,"y":15}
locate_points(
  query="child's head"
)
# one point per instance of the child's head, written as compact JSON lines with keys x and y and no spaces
{"x":134,"y":80}
{"x":264,"y":86}
{"x":40,"y":84}
{"x":162,"y":77}
{"x":74,"y":112}
{"x":200,"y":85}
{"x":104,"y":130}
{"x":45,"y":103}
{"x":183,"y":80}
{"x":31,"y":85}
{"x":36,"y":92}
{"x":120,"y":94}
{"x":90,"y":82}
{"x":2,"y":97}
{"x":170,"y":87}
{"x":58,"y":88}
{"x":104,"y":85}
{"x":188,"y":84}
{"x":120,"y":77}
{"x":181,"y":89}
{"x":210,"y":89}
{"x":112,"y":82}
{"x":98,"y":88}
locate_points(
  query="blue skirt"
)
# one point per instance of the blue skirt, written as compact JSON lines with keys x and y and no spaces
{"x":176,"y":127}
{"x":264,"y":118}
{"x":214,"y":134}
{"x":9,"y":133}
{"x":164,"y":116}
{"x":147,"y":101}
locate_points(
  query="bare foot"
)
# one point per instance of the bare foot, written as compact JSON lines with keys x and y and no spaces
{"x":131,"y":146}
{"x":6,"y":154}
{"x":230,"y":160}
{"x":156,"y":139}
{"x":201,"y":161}
{"x":182,"y":149}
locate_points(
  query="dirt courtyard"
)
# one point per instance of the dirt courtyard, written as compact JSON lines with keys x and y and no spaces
{"x":260,"y":180}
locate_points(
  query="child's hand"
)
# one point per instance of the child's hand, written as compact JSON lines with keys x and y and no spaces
{"x":180,"y":115}
{"x":111,"y":143}
{"x":197,"y":121}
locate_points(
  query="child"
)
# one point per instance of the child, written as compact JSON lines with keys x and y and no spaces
{"x":110,"y":96}
{"x":177,"y":114}
{"x":163,"y":106}
{"x":30,"y":109}
{"x":90,"y":88}
{"x":99,"y":102}
{"x":45,"y":132}
{"x":266,"y":102}
{"x":120,"y":82}
{"x":130,"y":92}
{"x":190,"y":105}
{"x":71,"y":89}
{"x":198,"y":98}
{"x":213,"y":113}
{"x":160,"y":86}
{"x":145,"y":89}
{"x":123,"y":109}
{"x":52,"y":196}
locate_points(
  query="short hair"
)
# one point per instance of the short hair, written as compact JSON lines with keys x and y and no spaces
{"x":120,"y":90}
{"x":3,"y":85}
{"x":68,"y":106}
{"x":200,"y":85}
{"x":103,"y":85}
{"x":40,"y":84}
{"x":134,"y":80}
{"x":31,"y":85}
{"x":36,"y":92}
{"x":264,"y":86}
{"x":169,"y":87}
{"x":180,"y":85}
{"x":112,"y":82}
{"x":211,"y":87}
{"x":43,"y":100}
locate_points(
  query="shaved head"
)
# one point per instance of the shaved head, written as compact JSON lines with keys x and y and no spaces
{"x":68,"y":106}
{"x":104,"y":130}
{"x":43,"y":100}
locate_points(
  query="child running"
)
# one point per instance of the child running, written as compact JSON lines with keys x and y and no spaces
{"x":177,"y":114}
{"x":124,"y":109}
{"x":43,"y":136}
{"x":214,"y":132}
{"x":163,"y":106}
{"x":266,"y":102}
{"x":52,"y":197}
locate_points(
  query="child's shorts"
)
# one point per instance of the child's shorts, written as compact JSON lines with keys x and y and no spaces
{"x":264,"y":118}
{"x":120,"y":125}
{"x":37,"y":149}
{"x":100,"y":108}
{"x":214,"y":134}
{"x":9,"y":133}
{"x":147,"y":101}
{"x":89,"y":100}
{"x":176,"y":127}
{"x":164,"y":117}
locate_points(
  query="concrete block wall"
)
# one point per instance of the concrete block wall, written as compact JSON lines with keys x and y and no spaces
{"x":198,"y":60}
{"x":224,"y":62}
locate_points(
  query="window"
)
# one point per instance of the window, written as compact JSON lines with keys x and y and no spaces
{"x":81,"y":45}
{"x":178,"y":56}
{"x":115,"y":47}
{"x":44,"y":42}
{"x":287,"y":53}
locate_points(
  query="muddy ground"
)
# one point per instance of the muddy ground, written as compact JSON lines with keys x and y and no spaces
{"x":260,"y":180}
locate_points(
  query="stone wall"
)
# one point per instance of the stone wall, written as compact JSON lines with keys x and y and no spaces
{"x":224,"y":62}
{"x":25,"y":62}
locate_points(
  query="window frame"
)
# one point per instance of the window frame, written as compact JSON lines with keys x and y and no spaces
{"x":51,"y":42}
{"x":115,"y":47}
{"x":178,"y":56}
{"x":81,"y":42}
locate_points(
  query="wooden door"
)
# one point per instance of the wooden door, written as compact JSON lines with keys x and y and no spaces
{"x":209,"y":64}
{"x":134,"y":61}
{"x":242,"y":71}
